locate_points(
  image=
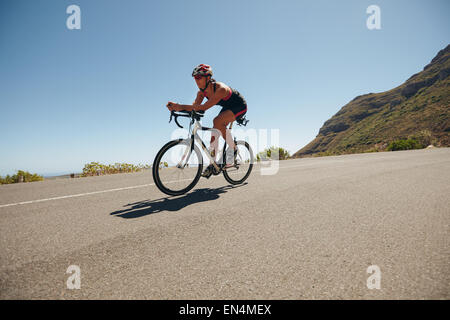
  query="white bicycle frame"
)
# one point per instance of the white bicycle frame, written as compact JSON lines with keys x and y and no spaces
{"x":196,"y":137}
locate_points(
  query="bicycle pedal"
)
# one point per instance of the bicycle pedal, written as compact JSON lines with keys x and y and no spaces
{"x":208,"y":172}
{"x":207,"y":175}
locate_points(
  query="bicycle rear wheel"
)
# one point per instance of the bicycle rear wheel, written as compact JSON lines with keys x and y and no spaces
{"x":243,"y":166}
{"x":177,"y":169}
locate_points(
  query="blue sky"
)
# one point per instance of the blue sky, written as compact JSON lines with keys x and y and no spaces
{"x":69,"y":97}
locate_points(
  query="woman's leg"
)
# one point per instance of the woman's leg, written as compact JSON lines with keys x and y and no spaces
{"x":220,"y":123}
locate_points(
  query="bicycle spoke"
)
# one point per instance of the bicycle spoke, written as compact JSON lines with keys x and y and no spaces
{"x":178,"y":168}
{"x":243,"y":165}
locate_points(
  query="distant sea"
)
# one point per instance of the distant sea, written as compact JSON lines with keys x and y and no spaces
{"x":56,"y":174}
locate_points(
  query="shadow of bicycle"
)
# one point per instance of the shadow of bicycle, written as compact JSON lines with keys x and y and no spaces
{"x":144,"y":208}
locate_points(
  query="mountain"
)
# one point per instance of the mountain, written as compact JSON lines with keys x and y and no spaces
{"x":420,"y":107}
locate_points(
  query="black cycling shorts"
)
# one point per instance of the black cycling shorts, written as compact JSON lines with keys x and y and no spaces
{"x":237,"y":110}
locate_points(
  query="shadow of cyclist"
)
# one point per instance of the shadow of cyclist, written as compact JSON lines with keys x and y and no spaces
{"x":143,"y":208}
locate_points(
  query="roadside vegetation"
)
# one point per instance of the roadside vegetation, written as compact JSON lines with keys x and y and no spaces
{"x":419,"y":140}
{"x":403,"y":144}
{"x":273,"y":153}
{"x":97,"y":169}
{"x":21,"y":176}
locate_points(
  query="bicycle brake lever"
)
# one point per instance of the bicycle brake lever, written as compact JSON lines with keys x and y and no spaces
{"x":176,"y":121}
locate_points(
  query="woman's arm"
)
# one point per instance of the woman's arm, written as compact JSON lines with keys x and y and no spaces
{"x":198,"y":101}
{"x":218,"y":95}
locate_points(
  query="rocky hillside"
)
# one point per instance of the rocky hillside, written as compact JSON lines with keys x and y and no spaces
{"x":419,"y":107}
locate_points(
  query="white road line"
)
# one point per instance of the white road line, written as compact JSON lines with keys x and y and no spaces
{"x":109,"y":190}
{"x":76,"y":195}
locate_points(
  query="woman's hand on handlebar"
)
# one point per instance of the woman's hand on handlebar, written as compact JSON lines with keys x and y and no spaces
{"x":172,"y":106}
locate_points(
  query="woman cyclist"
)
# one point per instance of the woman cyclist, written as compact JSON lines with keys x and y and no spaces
{"x":232,"y":102}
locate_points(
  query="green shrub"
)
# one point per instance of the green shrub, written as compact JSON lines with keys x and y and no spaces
{"x":96,"y":168}
{"x":26,"y":177}
{"x":273,"y":153}
{"x":403,"y":144}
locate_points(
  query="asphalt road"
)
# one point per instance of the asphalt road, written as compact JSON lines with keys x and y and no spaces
{"x":308,"y":232}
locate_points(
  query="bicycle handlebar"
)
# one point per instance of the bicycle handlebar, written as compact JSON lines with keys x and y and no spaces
{"x":196,"y":115}
{"x":184,"y":113}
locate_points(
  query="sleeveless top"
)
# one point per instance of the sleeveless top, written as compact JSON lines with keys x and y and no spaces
{"x":232,"y":100}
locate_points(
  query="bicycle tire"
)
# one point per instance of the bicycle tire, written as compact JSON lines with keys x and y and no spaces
{"x":225,"y":173}
{"x":155,"y":168}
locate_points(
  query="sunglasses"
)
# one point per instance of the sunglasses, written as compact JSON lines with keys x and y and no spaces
{"x":198,"y":77}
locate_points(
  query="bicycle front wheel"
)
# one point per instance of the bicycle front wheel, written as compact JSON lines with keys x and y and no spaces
{"x":176,"y":168}
{"x":243,"y":165}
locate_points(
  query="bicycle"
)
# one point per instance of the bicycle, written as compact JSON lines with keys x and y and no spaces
{"x":181,"y":170}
